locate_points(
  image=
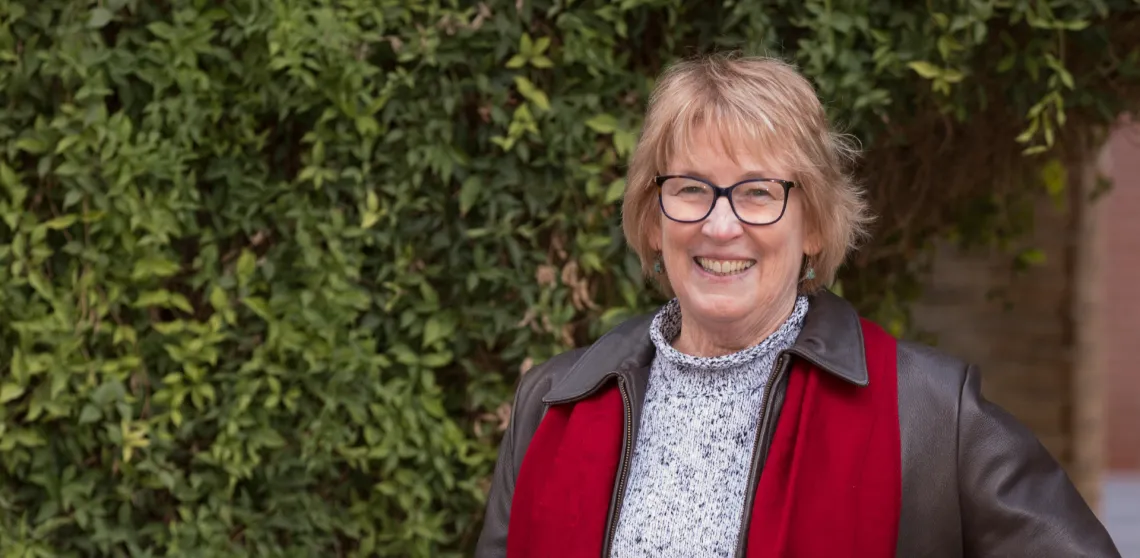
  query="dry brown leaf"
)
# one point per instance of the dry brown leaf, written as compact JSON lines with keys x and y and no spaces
{"x":545,"y":275}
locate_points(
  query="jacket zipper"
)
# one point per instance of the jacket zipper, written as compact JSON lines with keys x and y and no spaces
{"x":623,"y":476}
{"x":759,"y":449}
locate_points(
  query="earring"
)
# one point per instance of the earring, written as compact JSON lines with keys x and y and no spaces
{"x":658,"y":265}
{"x":810,"y":273}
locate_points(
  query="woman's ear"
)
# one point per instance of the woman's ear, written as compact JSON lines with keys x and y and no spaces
{"x":655,"y":235}
{"x":813,"y":241}
{"x":812,"y":245}
{"x":813,"y":237}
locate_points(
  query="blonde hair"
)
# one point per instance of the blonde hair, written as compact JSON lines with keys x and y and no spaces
{"x":764,"y":103}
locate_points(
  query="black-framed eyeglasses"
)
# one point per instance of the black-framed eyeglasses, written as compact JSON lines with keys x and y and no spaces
{"x":756,"y":201}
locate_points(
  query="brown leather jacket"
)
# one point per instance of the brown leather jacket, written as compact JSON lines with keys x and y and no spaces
{"x":975,"y":481}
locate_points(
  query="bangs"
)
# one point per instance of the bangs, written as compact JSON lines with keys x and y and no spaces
{"x":732,"y":127}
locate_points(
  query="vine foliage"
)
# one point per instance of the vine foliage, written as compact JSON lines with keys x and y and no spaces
{"x":269,"y":271}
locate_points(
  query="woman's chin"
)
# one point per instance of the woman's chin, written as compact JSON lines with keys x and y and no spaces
{"x":721,"y":304}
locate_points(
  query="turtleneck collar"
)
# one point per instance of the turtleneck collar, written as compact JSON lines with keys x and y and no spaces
{"x":688,"y":374}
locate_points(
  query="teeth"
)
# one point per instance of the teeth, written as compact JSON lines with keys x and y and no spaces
{"x":725,"y":267}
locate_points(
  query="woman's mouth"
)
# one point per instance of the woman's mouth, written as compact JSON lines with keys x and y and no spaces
{"x":724,"y":268}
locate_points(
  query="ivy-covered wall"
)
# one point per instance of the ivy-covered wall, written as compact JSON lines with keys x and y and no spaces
{"x":269,"y":270}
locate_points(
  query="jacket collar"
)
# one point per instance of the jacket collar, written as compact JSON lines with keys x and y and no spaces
{"x":831,"y":339}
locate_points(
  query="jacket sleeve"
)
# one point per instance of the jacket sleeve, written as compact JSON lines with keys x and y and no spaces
{"x":527,"y":411}
{"x":1016,"y":500}
{"x":493,"y":538}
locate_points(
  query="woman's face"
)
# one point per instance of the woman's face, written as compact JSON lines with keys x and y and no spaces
{"x":721,"y":269}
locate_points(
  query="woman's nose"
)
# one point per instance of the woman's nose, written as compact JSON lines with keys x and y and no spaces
{"x":722,"y":223}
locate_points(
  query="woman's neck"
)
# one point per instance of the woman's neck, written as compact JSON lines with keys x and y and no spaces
{"x":705,"y":338}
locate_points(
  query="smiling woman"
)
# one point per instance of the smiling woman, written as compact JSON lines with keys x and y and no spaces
{"x":756,"y":414}
{"x":764,"y":118}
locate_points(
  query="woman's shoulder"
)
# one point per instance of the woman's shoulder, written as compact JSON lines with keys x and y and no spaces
{"x":930,"y":369}
{"x":932,"y":386}
{"x":975,"y":472}
{"x":538,"y":380}
{"x":582,"y":367}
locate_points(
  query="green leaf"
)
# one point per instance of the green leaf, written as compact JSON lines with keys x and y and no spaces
{"x":1031,"y":257}
{"x":61,"y":222}
{"x":100,"y":17}
{"x":259,"y":307}
{"x":438,"y":360}
{"x":469,"y":193}
{"x":107,"y":393}
{"x":10,"y":391}
{"x":268,"y":437}
{"x":180,"y":302}
{"x":246,"y":264}
{"x":603,"y":124}
{"x":532,"y":93}
{"x":206,"y":391}
{"x":367,"y":126}
{"x":170,"y":328}
{"x":541,"y":45}
{"x":925,"y":69}
{"x":615,"y":191}
{"x":67,"y":142}
{"x":218,"y":298}
{"x":433,"y":407}
{"x":153,"y":298}
{"x":953,"y":76}
{"x":8,"y":177}
{"x":1031,"y":130}
{"x":147,"y":268}
{"x":437,"y":328}
{"x":1055,"y":177}
{"x":26,"y":437}
{"x":1066,"y":77}
{"x":591,"y":261}
{"x":89,"y":414}
{"x":73,"y":197}
{"x":624,"y":142}
{"x":404,"y":355}
{"x":1006,"y":63}
{"x":31,"y":145}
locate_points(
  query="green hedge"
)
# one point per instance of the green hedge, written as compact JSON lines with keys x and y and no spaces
{"x":269,"y":270}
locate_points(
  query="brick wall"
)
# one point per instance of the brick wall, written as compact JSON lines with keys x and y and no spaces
{"x":1058,"y":350}
{"x":1117,"y":325}
{"x":1024,"y":341}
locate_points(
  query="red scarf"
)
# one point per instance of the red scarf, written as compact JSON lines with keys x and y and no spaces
{"x":831,"y":485}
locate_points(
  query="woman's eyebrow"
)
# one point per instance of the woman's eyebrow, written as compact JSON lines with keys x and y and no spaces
{"x":747,"y":175}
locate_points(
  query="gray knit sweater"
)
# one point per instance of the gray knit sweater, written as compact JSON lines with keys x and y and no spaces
{"x":693,"y":452}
